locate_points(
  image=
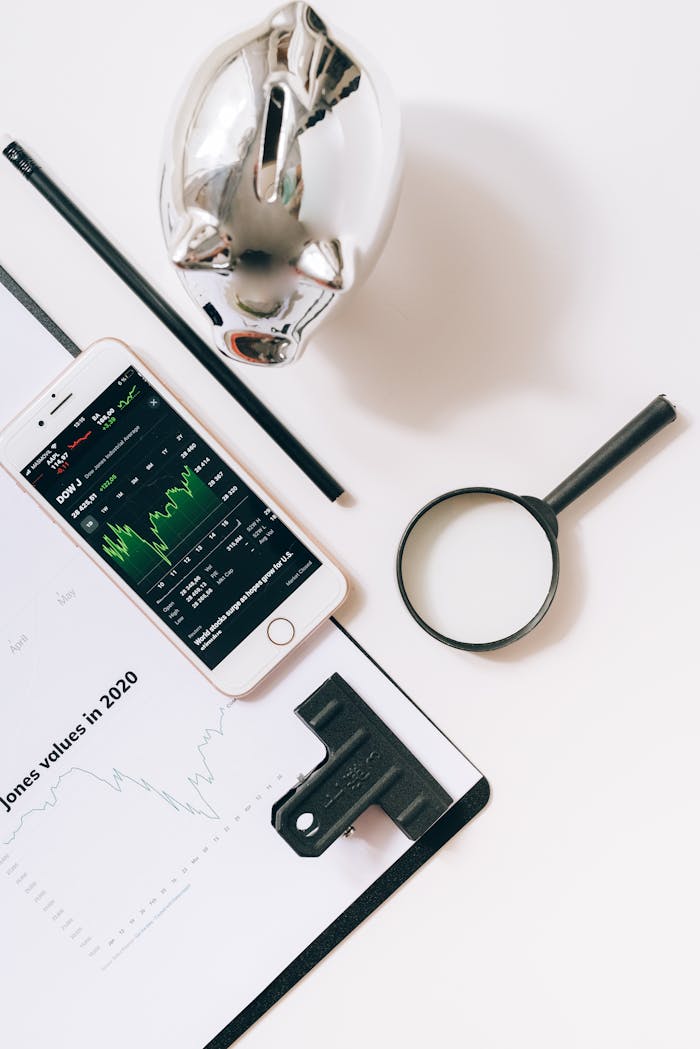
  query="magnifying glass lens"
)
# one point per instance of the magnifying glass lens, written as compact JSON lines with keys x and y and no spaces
{"x":477,"y":567}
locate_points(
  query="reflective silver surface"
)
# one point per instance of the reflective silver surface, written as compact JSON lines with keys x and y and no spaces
{"x":280,"y":183}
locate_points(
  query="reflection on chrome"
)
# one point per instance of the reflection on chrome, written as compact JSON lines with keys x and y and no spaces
{"x":280,"y":183}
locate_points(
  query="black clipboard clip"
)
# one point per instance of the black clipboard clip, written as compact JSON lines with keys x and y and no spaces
{"x":365,"y":764}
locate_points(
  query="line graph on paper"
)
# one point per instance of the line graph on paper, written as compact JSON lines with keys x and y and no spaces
{"x":154,"y":795}
{"x":119,"y":780}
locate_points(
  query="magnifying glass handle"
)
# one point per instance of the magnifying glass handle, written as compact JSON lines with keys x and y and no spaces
{"x":654,"y":417}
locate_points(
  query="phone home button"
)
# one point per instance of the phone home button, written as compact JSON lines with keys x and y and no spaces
{"x":280,"y":631}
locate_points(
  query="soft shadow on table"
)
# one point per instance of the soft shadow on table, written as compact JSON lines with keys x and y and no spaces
{"x":465,"y":304}
{"x":467,"y":294}
{"x":466,"y":299}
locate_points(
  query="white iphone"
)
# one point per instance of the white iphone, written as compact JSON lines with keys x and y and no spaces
{"x":140,"y":485}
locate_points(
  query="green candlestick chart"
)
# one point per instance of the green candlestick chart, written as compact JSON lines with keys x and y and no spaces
{"x":187,"y":505}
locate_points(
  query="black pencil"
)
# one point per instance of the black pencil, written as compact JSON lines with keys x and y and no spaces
{"x":164,"y":311}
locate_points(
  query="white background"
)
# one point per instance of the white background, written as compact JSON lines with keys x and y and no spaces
{"x":539,"y":288}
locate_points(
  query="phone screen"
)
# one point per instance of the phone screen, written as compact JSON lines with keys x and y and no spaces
{"x":182,"y":529}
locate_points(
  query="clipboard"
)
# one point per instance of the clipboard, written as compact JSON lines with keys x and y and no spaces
{"x":152,"y":828}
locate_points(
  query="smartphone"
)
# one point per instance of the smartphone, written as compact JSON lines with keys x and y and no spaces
{"x":161,"y":506}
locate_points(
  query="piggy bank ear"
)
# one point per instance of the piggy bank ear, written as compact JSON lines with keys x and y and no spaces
{"x":322,"y":262}
{"x":200,"y":245}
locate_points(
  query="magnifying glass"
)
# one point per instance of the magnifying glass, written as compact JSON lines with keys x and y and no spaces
{"x":478,"y":568}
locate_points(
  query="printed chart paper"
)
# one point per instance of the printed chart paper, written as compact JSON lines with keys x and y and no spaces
{"x":145,"y":897}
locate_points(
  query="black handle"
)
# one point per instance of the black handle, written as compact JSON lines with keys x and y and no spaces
{"x":632,"y":436}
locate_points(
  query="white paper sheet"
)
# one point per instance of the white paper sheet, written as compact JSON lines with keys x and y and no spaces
{"x":145,"y":897}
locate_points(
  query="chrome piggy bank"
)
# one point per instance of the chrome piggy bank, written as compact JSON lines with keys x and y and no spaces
{"x":280,"y":183}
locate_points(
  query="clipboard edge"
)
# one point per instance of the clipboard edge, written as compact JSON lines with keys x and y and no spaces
{"x":463,"y":810}
{"x":457,"y":817}
{"x":32,"y":306}
{"x":459,"y":814}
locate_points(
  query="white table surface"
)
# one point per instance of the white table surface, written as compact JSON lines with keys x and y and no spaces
{"x":539,"y":288}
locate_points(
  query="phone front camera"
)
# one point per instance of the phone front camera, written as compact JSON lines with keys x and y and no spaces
{"x":41,"y":422}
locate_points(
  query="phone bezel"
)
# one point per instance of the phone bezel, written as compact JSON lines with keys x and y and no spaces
{"x":77,"y":386}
